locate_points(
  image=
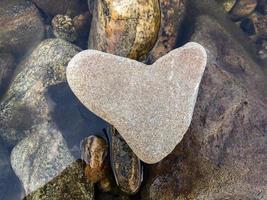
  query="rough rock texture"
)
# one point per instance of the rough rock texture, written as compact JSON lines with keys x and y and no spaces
{"x":172,"y":15}
{"x":147,"y":104}
{"x":21,"y":26}
{"x":227,"y":4}
{"x":262,"y":6}
{"x":70,"y":7}
{"x":63,"y":27}
{"x":224,"y":153}
{"x":29,"y":100}
{"x":243,"y":8}
{"x":71,"y":184}
{"x":40,"y":157}
{"x":128,"y":28}
{"x":7,"y":66}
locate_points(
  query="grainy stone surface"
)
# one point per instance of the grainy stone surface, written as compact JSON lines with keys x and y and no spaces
{"x":224,"y":153}
{"x":21,"y":26}
{"x":28,"y":101}
{"x":40,"y":157}
{"x":71,"y":184}
{"x":172,"y":16}
{"x":128,"y":28}
{"x":150,"y":106}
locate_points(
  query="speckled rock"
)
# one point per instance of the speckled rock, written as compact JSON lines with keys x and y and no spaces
{"x":7,"y":67}
{"x":155,"y":122}
{"x":262,"y":6}
{"x":21,"y":26}
{"x":243,"y":8}
{"x":256,"y":24}
{"x":223,"y":154}
{"x":29,"y":100}
{"x":71,"y":184}
{"x":69,"y":7}
{"x":128,"y":28}
{"x":172,"y":16}
{"x":63,"y":27}
{"x":40,"y":157}
{"x":126,"y":166}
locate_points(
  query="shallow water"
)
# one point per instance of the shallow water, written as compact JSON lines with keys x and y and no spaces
{"x":64,"y":107}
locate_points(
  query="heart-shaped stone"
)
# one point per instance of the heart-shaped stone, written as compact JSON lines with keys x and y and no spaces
{"x":150,"y":105}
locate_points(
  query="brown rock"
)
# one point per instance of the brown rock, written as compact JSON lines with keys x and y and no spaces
{"x":243,"y":8}
{"x":127,"y":28}
{"x":224,"y":153}
{"x":172,"y":15}
{"x":7,"y":66}
{"x":21,"y":26}
{"x":256,"y":23}
{"x":69,"y":7}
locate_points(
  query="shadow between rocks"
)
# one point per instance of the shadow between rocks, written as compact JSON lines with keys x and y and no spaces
{"x":72,"y":118}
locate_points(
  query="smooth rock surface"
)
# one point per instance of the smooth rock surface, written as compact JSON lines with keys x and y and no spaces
{"x":150,"y":106}
{"x":127,"y":28}
{"x":21,"y":26}
{"x":70,"y":7}
{"x":224,"y":153}
{"x":40,"y":157}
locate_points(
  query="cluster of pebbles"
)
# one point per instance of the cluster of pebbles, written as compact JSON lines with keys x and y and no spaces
{"x":251,"y":16}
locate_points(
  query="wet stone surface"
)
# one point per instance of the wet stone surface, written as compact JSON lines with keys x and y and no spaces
{"x":126,"y":165}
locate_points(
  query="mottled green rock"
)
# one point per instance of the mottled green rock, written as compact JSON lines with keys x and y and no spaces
{"x":71,"y":184}
{"x":21,"y":26}
{"x":127,"y":28}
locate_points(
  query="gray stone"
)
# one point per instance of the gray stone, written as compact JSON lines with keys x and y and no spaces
{"x":150,"y":106}
{"x":40,"y":157}
{"x":7,"y":67}
{"x":21,"y":26}
{"x":28,"y":102}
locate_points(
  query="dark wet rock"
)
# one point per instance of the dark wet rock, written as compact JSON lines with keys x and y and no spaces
{"x":125,"y":164}
{"x":243,"y":8}
{"x":40,"y":157}
{"x":71,"y":184}
{"x":128,"y":28}
{"x":256,"y":23}
{"x":63,"y":27}
{"x":106,"y":196}
{"x":224,"y":153}
{"x":172,"y":15}
{"x":21,"y":26}
{"x":7,"y":67}
{"x":261,"y":44}
{"x":69,"y":7}
{"x":10,"y":187}
{"x":29,"y":101}
{"x":262,"y":6}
